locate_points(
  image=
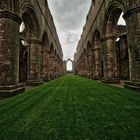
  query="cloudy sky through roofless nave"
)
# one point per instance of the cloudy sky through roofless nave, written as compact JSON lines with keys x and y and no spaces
{"x":69,"y":17}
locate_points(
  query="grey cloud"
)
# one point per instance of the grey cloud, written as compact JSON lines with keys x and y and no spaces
{"x":69,"y":17}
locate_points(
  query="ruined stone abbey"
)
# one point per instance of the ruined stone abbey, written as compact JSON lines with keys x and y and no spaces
{"x":108,"y":51}
{"x":30,"y":51}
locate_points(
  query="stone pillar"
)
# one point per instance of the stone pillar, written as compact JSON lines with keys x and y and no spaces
{"x":56,"y":66}
{"x":44,"y":71}
{"x":132,"y":18}
{"x":9,"y":54}
{"x":34,"y":67}
{"x":97,"y":63}
{"x":90,"y":65}
{"x":86,"y":65}
{"x":51,"y":67}
{"x":82,"y":64}
{"x":110,"y":74}
{"x":93,"y":63}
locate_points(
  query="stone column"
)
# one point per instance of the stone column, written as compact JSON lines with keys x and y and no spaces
{"x":34,"y":67}
{"x":86,"y":65}
{"x":82,"y":64}
{"x":90,"y":65}
{"x":110,"y":74}
{"x":51,"y":67}
{"x":93,"y":63}
{"x":56,"y":66}
{"x":132,"y":18}
{"x":44,"y":71}
{"x":97,"y":63}
{"x":9,"y":54}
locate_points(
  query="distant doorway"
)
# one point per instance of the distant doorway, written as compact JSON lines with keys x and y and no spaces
{"x":69,"y":66}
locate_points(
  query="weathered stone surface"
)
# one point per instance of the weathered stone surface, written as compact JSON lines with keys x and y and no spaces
{"x":7,"y":91}
{"x":117,"y":60}
{"x":22,"y":54}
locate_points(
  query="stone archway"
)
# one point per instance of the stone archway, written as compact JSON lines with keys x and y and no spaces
{"x":67,"y":70}
{"x":30,"y":35}
{"x":112,"y":47}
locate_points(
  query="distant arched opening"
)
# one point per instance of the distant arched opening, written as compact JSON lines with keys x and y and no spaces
{"x":69,"y":66}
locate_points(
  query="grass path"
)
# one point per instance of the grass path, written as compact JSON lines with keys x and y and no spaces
{"x":71,"y":108}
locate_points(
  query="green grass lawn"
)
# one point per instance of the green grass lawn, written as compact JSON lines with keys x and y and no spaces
{"x":71,"y":108}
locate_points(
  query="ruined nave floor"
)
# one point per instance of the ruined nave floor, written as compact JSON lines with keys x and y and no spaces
{"x":71,"y":108}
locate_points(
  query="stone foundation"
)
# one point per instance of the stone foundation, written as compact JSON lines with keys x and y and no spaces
{"x":11,"y":90}
{"x":132,"y":85}
{"x":34,"y":83}
{"x":113,"y":81}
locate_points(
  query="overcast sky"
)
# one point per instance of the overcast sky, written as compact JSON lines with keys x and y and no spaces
{"x":69,"y":17}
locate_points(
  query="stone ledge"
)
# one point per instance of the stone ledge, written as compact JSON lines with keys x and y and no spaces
{"x":34,"y":83}
{"x":132,"y":85}
{"x":113,"y":81}
{"x":11,"y":90}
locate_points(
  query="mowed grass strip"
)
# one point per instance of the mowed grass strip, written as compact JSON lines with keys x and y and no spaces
{"x":71,"y":108}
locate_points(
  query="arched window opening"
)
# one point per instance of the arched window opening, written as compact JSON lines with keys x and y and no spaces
{"x":118,"y":39}
{"x":23,"y":54}
{"x":69,"y":66}
{"x":28,"y":29}
{"x":121,"y":20}
{"x":22,"y":27}
{"x":117,"y":47}
{"x":122,"y":50}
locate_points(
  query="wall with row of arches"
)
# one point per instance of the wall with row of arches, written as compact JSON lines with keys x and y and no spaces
{"x":108,"y":50}
{"x":30,"y":51}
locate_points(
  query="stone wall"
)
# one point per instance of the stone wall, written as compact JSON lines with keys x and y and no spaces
{"x":101,"y":32}
{"x":27,"y":52}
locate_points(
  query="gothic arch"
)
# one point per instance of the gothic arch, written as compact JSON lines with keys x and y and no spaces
{"x":112,"y":14}
{"x":97,"y":40}
{"x":66,"y":62}
{"x":30,"y":20}
{"x":111,"y":31}
{"x":45,"y":40}
{"x":69,"y":60}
